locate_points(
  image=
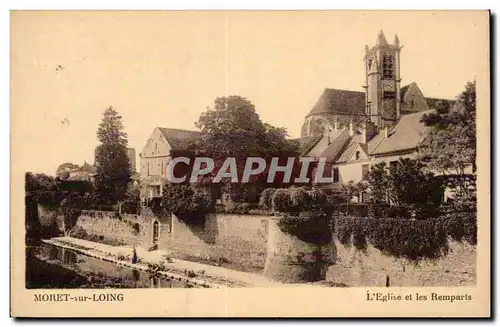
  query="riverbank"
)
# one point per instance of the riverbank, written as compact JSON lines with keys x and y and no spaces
{"x":191,"y":272}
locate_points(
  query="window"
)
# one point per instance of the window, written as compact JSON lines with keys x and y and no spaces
{"x":365,"y":169}
{"x":388,"y":66}
{"x":335,"y":175}
{"x":317,"y":128}
{"x":412,"y":102}
{"x":357,"y":155}
{"x":393,"y":163}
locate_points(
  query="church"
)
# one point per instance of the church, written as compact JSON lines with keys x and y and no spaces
{"x":357,"y":129}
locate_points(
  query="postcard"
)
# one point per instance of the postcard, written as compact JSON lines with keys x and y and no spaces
{"x":250,"y":164}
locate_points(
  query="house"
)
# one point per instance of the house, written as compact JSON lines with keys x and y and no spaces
{"x":155,"y":157}
{"x":132,"y":158}
{"x":86,"y":172}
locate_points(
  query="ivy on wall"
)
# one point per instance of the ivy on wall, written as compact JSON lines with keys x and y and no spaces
{"x":412,"y":239}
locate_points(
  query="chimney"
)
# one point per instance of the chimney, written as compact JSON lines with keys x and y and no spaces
{"x":351,"y":128}
{"x":364,"y":133}
{"x":336,"y":124}
{"x":386,"y":131}
{"x":368,"y":130}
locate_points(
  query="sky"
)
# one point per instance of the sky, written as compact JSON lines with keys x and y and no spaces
{"x":163,"y":68}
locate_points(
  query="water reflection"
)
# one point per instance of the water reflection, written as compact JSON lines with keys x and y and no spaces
{"x":88,"y":266}
{"x":68,"y":257}
{"x":136,"y":274}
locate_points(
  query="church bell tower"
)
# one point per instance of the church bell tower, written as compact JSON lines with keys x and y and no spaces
{"x":383,"y":81}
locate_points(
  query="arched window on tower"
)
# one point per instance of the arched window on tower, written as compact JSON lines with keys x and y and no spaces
{"x":388,"y":66}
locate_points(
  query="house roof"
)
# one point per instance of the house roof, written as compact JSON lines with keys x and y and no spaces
{"x":405,"y":135}
{"x":306,"y":143}
{"x":179,"y":138}
{"x":87,"y":168}
{"x":352,"y":146}
{"x":334,"y":101}
{"x":338,"y":139}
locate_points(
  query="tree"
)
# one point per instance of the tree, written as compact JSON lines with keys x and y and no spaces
{"x":65,"y":169}
{"x":412,"y":185}
{"x":378,"y":184}
{"x":449,"y":147}
{"x":406,"y":183}
{"x":232,"y":128}
{"x":112,"y":163}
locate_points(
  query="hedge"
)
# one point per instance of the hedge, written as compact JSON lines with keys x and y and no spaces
{"x":298,"y":199}
{"x":408,"y":238}
{"x":240,"y":208}
{"x":387,"y":211}
{"x":311,"y":227}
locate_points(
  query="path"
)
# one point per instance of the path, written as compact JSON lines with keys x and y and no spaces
{"x":247,"y":279}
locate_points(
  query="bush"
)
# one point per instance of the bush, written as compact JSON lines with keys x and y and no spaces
{"x":181,"y":199}
{"x":377,"y":210}
{"x":460,"y":226}
{"x":426,"y":211}
{"x":266,"y":198}
{"x":78,"y":232}
{"x":318,"y":197}
{"x":281,"y":200}
{"x":228,"y":204}
{"x":298,"y":199}
{"x":236,"y":208}
{"x":354,"y":209}
{"x":398,"y":212}
{"x":310,"y":227}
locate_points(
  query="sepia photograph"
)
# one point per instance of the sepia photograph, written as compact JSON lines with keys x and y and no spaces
{"x":294,"y":151}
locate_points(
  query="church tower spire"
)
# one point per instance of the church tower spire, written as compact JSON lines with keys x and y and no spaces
{"x":381,"y":40}
{"x":382,"y":90}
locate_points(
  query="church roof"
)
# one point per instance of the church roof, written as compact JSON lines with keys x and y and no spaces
{"x":431,"y":102}
{"x":334,"y":101}
{"x":179,"y":138}
{"x":405,"y":135}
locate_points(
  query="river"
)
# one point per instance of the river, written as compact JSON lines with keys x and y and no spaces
{"x":49,"y":266}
